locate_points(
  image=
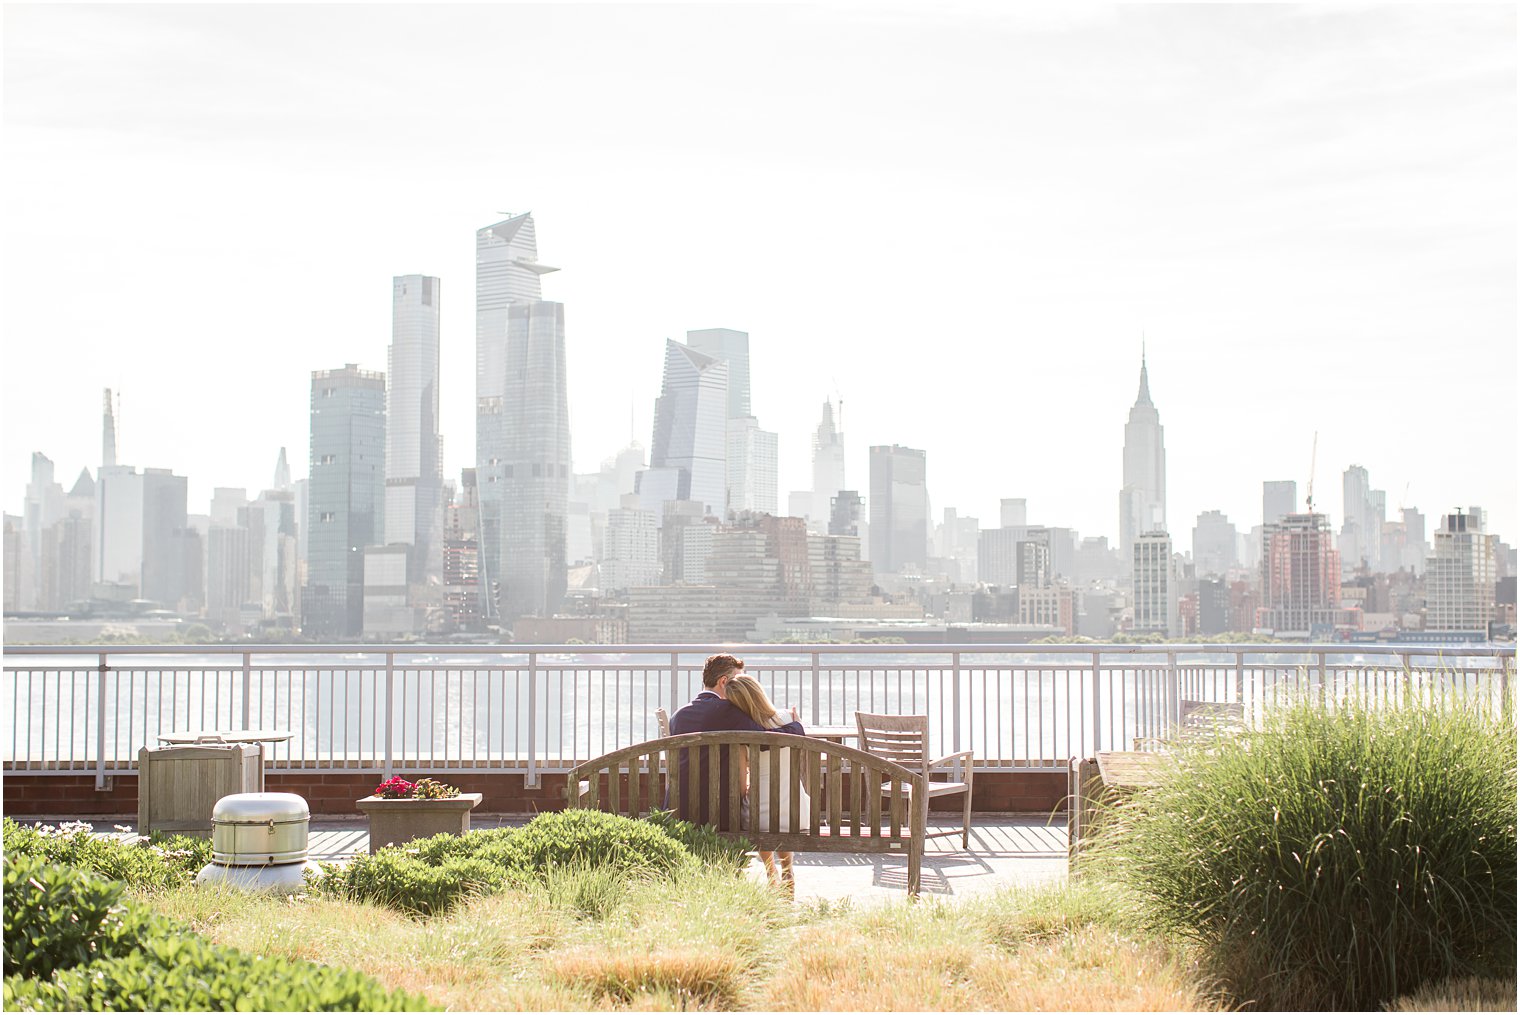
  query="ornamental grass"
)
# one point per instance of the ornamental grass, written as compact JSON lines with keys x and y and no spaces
{"x":1336,"y":858}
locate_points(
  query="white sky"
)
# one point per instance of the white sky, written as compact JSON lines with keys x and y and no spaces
{"x":958,"y":218}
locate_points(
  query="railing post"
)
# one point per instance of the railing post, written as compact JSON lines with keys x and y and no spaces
{"x":1240,"y":681}
{"x":1097,"y":708}
{"x":247,"y":686}
{"x":1322,"y":689}
{"x":532,"y":780}
{"x":1173,"y":695}
{"x":100,"y":726}
{"x":675,"y":690}
{"x":955,"y":703}
{"x":390,"y":714}
{"x":816,"y":690}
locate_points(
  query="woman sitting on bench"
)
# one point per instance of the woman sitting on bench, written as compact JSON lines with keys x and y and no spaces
{"x":745,"y":692}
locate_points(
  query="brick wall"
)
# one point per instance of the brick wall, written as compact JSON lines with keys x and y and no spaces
{"x":334,"y":793}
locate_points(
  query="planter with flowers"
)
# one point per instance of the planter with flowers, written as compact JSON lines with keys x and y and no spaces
{"x":400,"y":811}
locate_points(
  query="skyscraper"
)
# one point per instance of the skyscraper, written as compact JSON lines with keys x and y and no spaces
{"x":1213,"y":544}
{"x":1154,"y":585}
{"x":899,"y":505}
{"x":535,"y":482}
{"x":751,"y":466}
{"x":522,"y":427}
{"x":828,"y":456}
{"x":1142,"y":500}
{"x":1279,"y":497}
{"x":1460,"y":575}
{"x":1362,"y":526}
{"x":1300,"y":577}
{"x":691,"y":429}
{"x":413,"y":447}
{"x":732,"y":347}
{"x":107,"y":432}
{"x":346,"y":499}
{"x":751,"y":451}
{"x":43,"y":507}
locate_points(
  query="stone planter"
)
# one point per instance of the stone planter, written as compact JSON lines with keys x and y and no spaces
{"x":394,"y":822}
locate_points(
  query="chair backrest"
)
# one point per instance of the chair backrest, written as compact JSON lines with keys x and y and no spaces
{"x":662,"y":719}
{"x":900,"y":738}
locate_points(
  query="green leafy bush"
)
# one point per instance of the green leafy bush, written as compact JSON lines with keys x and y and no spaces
{"x":56,"y":918}
{"x":703,"y":841}
{"x":405,"y":881}
{"x":432,"y":875}
{"x":186,"y":973}
{"x":155,"y":863}
{"x":480,"y":842}
{"x":71,"y":944}
{"x":587,"y":838}
{"x":1336,"y":858}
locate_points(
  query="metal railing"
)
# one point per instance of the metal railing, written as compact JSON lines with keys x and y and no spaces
{"x":546,"y":708}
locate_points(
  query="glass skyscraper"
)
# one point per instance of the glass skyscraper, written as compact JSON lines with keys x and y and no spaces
{"x":413,"y":447}
{"x":691,"y":428}
{"x":899,"y":506}
{"x":346,"y":498}
{"x":522,"y":434}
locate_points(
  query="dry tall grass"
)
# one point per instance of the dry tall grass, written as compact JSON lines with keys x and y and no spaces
{"x":1469,"y":993}
{"x":709,"y":942}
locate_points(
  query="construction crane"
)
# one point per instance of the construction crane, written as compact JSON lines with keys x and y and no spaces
{"x":1313,"y":457}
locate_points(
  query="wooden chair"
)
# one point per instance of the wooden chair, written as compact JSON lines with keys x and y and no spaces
{"x":662,"y":720}
{"x":904,"y":739}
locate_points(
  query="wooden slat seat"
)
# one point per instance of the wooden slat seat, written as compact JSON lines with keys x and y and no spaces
{"x":632,"y":781}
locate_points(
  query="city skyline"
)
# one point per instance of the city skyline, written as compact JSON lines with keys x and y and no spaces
{"x":1341,"y":222}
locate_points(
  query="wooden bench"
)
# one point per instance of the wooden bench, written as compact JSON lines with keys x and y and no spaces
{"x":861,"y":803}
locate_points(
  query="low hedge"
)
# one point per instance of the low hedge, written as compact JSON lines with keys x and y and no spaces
{"x":72,"y":945}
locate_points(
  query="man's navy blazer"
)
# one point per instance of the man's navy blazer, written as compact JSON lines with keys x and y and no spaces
{"x":708,"y":713}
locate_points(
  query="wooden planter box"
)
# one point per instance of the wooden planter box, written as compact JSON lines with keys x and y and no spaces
{"x":394,"y":822}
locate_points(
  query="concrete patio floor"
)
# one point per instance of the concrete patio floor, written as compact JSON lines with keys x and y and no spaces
{"x":1006,"y":851}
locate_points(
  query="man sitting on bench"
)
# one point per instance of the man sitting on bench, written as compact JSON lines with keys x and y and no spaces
{"x":710,"y":712}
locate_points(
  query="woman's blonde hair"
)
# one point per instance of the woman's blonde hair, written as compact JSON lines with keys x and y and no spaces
{"x":746,"y":693}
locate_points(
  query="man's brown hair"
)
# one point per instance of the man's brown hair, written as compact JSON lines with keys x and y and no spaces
{"x":719,"y":666}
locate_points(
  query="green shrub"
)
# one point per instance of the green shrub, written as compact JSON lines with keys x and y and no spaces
{"x":430,"y":876}
{"x":156,"y":863}
{"x":479,"y":842}
{"x":586,"y":838}
{"x":71,"y":944}
{"x":1336,"y":858}
{"x":393,"y":877}
{"x":187,"y":973}
{"x":703,"y":841}
{"x":56,"y":918}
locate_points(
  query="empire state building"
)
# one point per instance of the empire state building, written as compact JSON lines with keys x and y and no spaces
{"x":1142,"y":500}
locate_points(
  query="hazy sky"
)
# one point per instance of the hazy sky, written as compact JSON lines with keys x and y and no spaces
{"x":958,"y":219}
